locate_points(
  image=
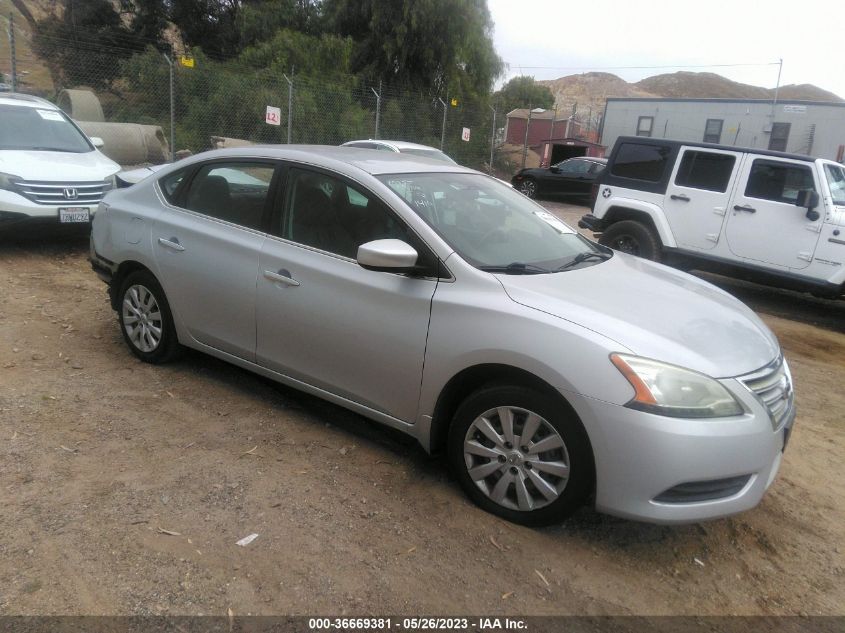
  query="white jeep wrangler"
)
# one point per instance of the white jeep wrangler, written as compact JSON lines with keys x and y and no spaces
{"x":764,"y":216}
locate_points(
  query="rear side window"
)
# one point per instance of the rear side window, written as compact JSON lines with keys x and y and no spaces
{"x":705,"y":170}
{"x":779,"y":182}
{"x":641,"y":162}
{"x":235,"y":192}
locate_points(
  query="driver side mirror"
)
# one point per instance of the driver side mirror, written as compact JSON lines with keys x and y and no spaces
{"x":97,"y":142}
{"x":808,"y":199}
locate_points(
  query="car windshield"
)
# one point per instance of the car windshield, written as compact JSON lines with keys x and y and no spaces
{"x":427,"y":153}
{"x":39,"y":129}
{"x":492,"y":226}
{"x":836,"y":182}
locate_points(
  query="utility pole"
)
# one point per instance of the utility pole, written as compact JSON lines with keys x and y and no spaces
{"x":172,"y":109}
{"x":12,"y":52}
{"x":443,"y":130}
{"x":777,"y":88}
{"x":492,"y":138}
{"x":378,"y":106}
{"x":525,"y":140}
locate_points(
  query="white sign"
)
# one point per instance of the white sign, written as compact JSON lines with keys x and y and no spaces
{"x":273,"y":116}
{"x":465,"y":134}
{"x":795,"y":109}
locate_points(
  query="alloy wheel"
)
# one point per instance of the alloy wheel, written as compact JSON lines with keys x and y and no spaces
{"x":142,"y":318}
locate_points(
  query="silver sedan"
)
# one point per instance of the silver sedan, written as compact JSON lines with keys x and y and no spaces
{"x":435,"y":300}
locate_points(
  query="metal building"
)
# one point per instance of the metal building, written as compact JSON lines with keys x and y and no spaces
{"x":815,"y":128}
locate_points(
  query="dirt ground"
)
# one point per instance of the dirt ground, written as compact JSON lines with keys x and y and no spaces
{"x":125,"y":487}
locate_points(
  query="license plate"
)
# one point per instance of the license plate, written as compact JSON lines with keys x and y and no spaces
{"x":74,"y":214}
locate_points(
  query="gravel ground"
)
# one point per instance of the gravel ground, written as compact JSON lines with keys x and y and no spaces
{"x":126,"y":486}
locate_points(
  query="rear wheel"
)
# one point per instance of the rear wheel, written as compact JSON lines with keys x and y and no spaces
{"x":529,"y":187}
{"x":519,"y":454}
{"x":633,"y":237}
{"x":145,"y":319}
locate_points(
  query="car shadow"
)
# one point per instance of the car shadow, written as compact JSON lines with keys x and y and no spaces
{"x":51,"y":239}
{"x":828,"y":314}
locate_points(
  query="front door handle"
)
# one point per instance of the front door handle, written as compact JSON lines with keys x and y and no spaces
{"x":681,"y":197}
{"x":282,"y":277}
{"x":745,"y":208}
{"x":172,"y":243}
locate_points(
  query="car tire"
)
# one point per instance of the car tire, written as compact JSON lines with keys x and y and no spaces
{"x":633,"y":237}
{"x":543,"y":487}
{"x":529,"y":188}
{"x":146,"y":321}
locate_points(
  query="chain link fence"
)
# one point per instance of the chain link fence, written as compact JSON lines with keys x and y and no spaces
{"x":200,"y":103}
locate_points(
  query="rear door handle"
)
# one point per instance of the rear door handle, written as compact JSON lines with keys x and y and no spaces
{"x":745,"y":208}
{"x":172,"y":243}
{"x":282,"y":277}
{"x":681,"y":197}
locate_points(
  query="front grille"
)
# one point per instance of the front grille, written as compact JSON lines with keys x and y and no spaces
{"x":772,"y":385}
{"x":62,"y":193}
{"x":697,"y":491}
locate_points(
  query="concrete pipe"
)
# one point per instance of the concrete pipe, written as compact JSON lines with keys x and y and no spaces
{"x":81,"y":104}
{"x":130,"y":143}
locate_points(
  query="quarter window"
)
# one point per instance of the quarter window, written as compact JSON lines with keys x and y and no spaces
{"x":326,"y":213}
{"x":235,"y":192}
{"x":705,"y":170}
{"x":645,"y":124}
{"x":713,"y":131}
{"x":779,"y":182}
{"x":641,"y":162}
{"x":170,"y":185}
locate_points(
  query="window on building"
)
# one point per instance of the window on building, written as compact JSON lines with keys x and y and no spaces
{"x":705,"y":170}
{"x":778,"y":181}
{"x":779,"y":137}
{"x":645,"y":124}
{"x":713,"y":131}
{"x":641,"y":161}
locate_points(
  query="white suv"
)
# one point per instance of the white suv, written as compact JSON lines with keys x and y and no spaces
{"x":50,"y":172}
{"x":764,"y":216}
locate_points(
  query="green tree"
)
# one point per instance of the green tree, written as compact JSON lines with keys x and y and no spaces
{"x":523,"y":92}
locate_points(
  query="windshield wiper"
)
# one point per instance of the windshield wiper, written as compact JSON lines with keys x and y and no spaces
{"x":516,"y":268}
{"x":583,"y":257}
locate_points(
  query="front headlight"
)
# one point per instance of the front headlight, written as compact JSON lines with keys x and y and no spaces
{"x":674,"y":391}
{"x":8,"y":181}
{"x":110,"y":183}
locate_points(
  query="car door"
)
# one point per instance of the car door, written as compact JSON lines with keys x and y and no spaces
{"x":571,"y":179}
{"x":324,"y":320}
{"x":697,"y":197}
{"x":764,"y":224}
{"x":207,"y":244}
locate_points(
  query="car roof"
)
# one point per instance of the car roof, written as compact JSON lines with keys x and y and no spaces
{"x":342,"y":158}
{"x":27,"y":101}
{"x":400,"y":145}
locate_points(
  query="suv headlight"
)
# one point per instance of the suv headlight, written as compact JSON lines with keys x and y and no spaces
{"x":674,"y":391}
{"x":110,"y":183}
{"x":8,"y":181}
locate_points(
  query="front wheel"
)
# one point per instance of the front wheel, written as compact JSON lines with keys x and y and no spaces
{"x":633,"y":237}
{"x":529,"y":187}
{"x":520,"y":455}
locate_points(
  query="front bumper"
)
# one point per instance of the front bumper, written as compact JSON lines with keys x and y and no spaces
{"x":669,"y":470}
{"x":15,"y":210}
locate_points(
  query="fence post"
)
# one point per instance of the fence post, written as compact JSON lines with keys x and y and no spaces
{"x":12,"y":52}
{"x":378,"y":106}
{"x":172,"y":108}
{"x":443,"y":130}
{"x":492,"y":138}
{"x":290,"y":104}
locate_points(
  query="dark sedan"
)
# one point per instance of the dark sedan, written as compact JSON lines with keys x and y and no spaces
{"x":572,"y":178}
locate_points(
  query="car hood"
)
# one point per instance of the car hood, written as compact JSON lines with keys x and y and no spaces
{"x":57,"y":166}
{"x":655,"y":312}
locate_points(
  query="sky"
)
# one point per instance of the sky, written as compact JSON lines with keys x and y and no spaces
{"x":554,"y":38}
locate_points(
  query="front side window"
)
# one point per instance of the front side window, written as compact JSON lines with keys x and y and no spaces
{"x":779,"y":182}
{"x":713,"y":131}
{"x":836,"y":182}
{"x":645,"y":125}
{"x":490,"y":225}
{"x":326,"y":213}
{"x":39,"y":129}
{"x":574,"y":167}
{"x":235,"y":192}
{"x":641,"y":162}
{"x":705,"y":170}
